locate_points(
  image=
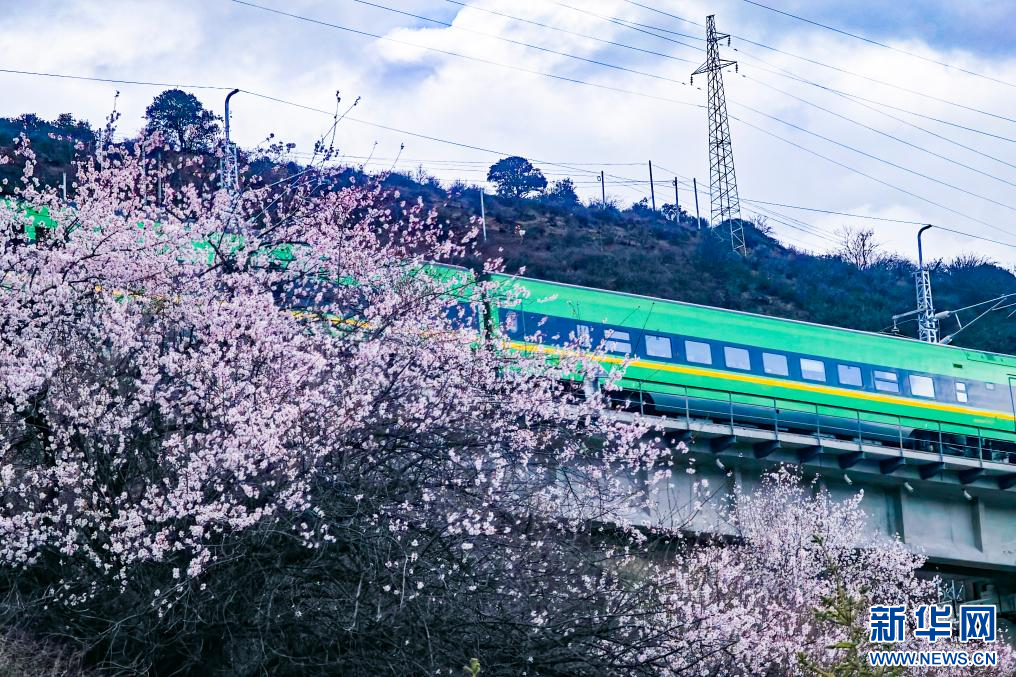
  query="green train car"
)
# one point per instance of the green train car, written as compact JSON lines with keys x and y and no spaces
{"x":689,"y":360}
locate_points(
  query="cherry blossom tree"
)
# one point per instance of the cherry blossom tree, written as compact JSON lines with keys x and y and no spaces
{"x":265,"y":435}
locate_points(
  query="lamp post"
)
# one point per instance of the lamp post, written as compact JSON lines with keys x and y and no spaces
{"x":230,"y":170}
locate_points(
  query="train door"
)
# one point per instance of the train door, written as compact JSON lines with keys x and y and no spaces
{"x":1012,"y":398}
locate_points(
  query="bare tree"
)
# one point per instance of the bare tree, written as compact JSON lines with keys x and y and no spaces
{"x":762,"y":224}
{"x":858,"y":246}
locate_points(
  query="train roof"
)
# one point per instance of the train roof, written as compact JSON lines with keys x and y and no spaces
{"x":897,"y":342}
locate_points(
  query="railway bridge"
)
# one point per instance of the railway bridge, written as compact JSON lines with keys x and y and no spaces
{"x":957,"y":509}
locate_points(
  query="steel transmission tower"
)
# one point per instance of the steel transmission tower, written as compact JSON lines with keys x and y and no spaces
{"x":723,"y":181}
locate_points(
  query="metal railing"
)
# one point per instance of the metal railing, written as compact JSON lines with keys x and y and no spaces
{"x":863,"y":428}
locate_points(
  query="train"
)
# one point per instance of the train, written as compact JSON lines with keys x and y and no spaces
{"x":686,"y":360}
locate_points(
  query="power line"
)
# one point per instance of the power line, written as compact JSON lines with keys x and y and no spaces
{"x":882,"y":218}
{"x":883,"y":82}
{"x":783,"y":205}
{"x":877,"y":158}
{"x":822,"y":233}
{"x":482,"y":162}
{"x":869,"y":176}
{"x":615,"y":20}
{"x":145,"y":83}
{"x":775,"y":217}
{"x":828,"y":211}
{"x":638,"y":4}
{"x":558,"y":29}
{"x":668,"y":14}
{"x":520,"y":43}
{"x":886,"y":134}
{"x":459,"y":55}
{"x":881,"y":44}
{"x":575,"y":168}
{"x":817,"y":62}
{"x":813,"y":230}
{"x":427,"y":137}
{"x":782,"y":72}
{"x":621,"y":180}
{"x":854,"y":100}
{"x":631,"y":25}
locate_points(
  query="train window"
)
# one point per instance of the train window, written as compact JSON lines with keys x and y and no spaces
{"x":812,"y":370}
{"x":775,"y":364}
{"x":922,"y":386}
{"x":887,"y":381}
{"x":583,"y":335}
{"x":736,"y":358}
{"x":849,"y":375}
{"x":511,"y":321}
{"x":961,"y":392}
{"x":699,"y":353}
{"x":658,"y":346}
{"x":618,"y":341}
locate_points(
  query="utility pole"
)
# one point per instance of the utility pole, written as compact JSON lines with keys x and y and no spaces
{"x":603,"y":191}
{"x":723,"y":199}
{"x":652,"y":188}
{"x":483,"y":215}
{"x":927,"y":323}
{"x":158,"y":179}
{"x":698,"y":217}
{"x":64,"y":187}
{"x":677,"y":203}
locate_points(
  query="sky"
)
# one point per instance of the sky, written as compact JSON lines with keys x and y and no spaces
{"x":818,"y":118}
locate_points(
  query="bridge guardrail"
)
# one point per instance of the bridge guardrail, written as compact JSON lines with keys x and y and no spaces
{"x":969,"y":446}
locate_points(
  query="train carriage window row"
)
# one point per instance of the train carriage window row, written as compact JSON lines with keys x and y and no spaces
{"x":696,"y":351}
